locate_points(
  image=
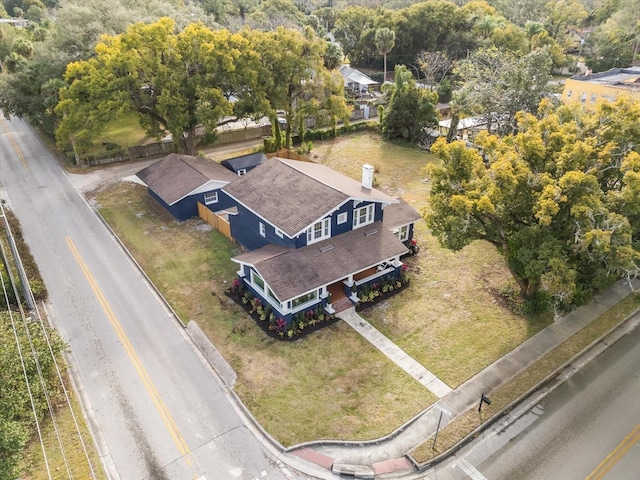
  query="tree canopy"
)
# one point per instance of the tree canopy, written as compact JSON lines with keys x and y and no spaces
{"x":17,"y":423}
{"x":558,"y":198}
{"x":173,"y":81}
{"x":499,"y":83}
{"x":409,"y":110}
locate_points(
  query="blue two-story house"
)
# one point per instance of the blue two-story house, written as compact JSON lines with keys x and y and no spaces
{"x":314,"y":236}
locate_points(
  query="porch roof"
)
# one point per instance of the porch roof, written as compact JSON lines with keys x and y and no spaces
{"x":293,"y":272}
{"x":399,"y":214}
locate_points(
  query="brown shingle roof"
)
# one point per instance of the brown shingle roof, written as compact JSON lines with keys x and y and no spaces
{"x":175,"y":176}
{"x":399,"y":214}
{"x":292,"y":195}
{"x":292,"y":272}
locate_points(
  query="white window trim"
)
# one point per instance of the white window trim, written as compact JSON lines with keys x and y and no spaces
{"x":242,"y":172}
{"x":265,"y":291}
{"x":398,"y":232}
{"x":342,"y":218}
{"x":325,"y":229}
{"x":213,"y":198}
{"x":263,"y":230}
{"x":253,"y":281}
{"x":302,"y":306}
{"x":369,"y":215}
{"x":279,"y":233}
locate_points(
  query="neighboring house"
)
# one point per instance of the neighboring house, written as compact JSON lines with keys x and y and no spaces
{"x":315,"y":236}
{"x":245,"y":163}
{"x":587,"y":89}
{"x":179,"y":182}
{"x":465,"y":128}
{"x":355,"y":81}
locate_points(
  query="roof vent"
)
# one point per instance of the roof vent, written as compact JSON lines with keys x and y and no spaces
{"x":326,"y":248}
{"x":368,"y":233}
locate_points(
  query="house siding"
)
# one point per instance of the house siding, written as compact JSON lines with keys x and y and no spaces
{"x":339,"y":229}
{"x":245,"y":229}
{"x":288,"y":317}
{"x":188,"y":207}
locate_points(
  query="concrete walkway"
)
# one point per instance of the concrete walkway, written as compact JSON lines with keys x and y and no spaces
{"x":384,"y":454}
{"x":395,"y":353}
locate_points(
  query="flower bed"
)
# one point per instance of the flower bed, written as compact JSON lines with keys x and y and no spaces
{"x":303,"y":322}
{"x":381,"y":289}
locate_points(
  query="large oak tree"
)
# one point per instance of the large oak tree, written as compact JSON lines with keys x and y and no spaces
{"x":174,"y":81}
{"x":559,"y":199}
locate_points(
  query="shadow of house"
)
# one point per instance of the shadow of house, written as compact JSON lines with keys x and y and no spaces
{"x":179,"y":182}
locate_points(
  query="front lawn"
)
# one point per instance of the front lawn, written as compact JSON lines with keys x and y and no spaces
{"x":332,"y":383}
{"x":454,"y":317}
{"x":329,"y":384}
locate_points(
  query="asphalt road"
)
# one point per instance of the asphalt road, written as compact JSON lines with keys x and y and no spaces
{"x":158,"y":410}
{"x":587,"y":428}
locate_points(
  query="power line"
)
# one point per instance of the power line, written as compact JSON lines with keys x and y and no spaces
{"x":65,"y":392}
{"x":24,"y":369}
{"x":31,"y":301}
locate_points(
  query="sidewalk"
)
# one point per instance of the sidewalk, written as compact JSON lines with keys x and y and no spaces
{"x":387,"y":454}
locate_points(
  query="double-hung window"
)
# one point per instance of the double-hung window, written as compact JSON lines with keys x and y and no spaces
{"x":319,"y":231}
{"x":363,"y":216}
{"x":211,"y":197}
{"x":402,"y":233}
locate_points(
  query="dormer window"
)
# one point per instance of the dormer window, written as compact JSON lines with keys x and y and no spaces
{"x":363,"y":216}
{"x":319,"y":231}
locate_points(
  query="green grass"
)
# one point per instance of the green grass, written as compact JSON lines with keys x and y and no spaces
{"x":333,"y":384}
{"x":523,"y":382}
{"x":124,"y":131}
{"x":329,"y":384}
{"x":451,"y":319}
{"x":33,"y":462}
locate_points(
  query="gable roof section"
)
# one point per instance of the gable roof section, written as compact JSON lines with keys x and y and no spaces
{"x":176,"y":176}
{"x":292,"y":195}
{"x":244,"y":161}
{"x":351,"y":75}
{"x":293,"y":272}
{"x":399,"y":214}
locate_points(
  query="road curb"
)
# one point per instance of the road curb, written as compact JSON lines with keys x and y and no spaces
{"x":211,"y":354}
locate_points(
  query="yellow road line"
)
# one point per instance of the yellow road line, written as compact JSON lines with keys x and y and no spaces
{"x":616,"y":454}
{"x":177,"y":437}
{"x":15,"y":146}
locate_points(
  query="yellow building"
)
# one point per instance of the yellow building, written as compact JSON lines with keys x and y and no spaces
{"x":587,"y":89}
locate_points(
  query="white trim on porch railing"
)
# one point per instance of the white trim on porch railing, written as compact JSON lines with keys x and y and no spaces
{"x":375,"y":275}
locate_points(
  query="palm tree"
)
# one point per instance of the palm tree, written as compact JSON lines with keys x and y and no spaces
{"x":385,"y":40}
{"x":536,"y":33}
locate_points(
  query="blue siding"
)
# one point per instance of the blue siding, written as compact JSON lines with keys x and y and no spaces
{"x":245,"y":229}
{"x":188,"y":207}
{"x":276,"y":311}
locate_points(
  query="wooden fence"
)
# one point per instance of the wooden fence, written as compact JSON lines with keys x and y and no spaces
{"x":217,"y":221}
{"x":290,"y":155}
{"x":165,"y":148}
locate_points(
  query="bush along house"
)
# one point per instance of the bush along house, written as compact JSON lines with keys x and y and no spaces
{"x":316,"y":241}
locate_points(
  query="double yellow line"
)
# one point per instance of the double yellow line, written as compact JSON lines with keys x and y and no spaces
{"x":616,"y":454}
{"x":177,"y":437}
{"x":15,"y":146}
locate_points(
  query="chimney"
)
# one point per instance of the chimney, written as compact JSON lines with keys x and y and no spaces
{"x":367,"y":176}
